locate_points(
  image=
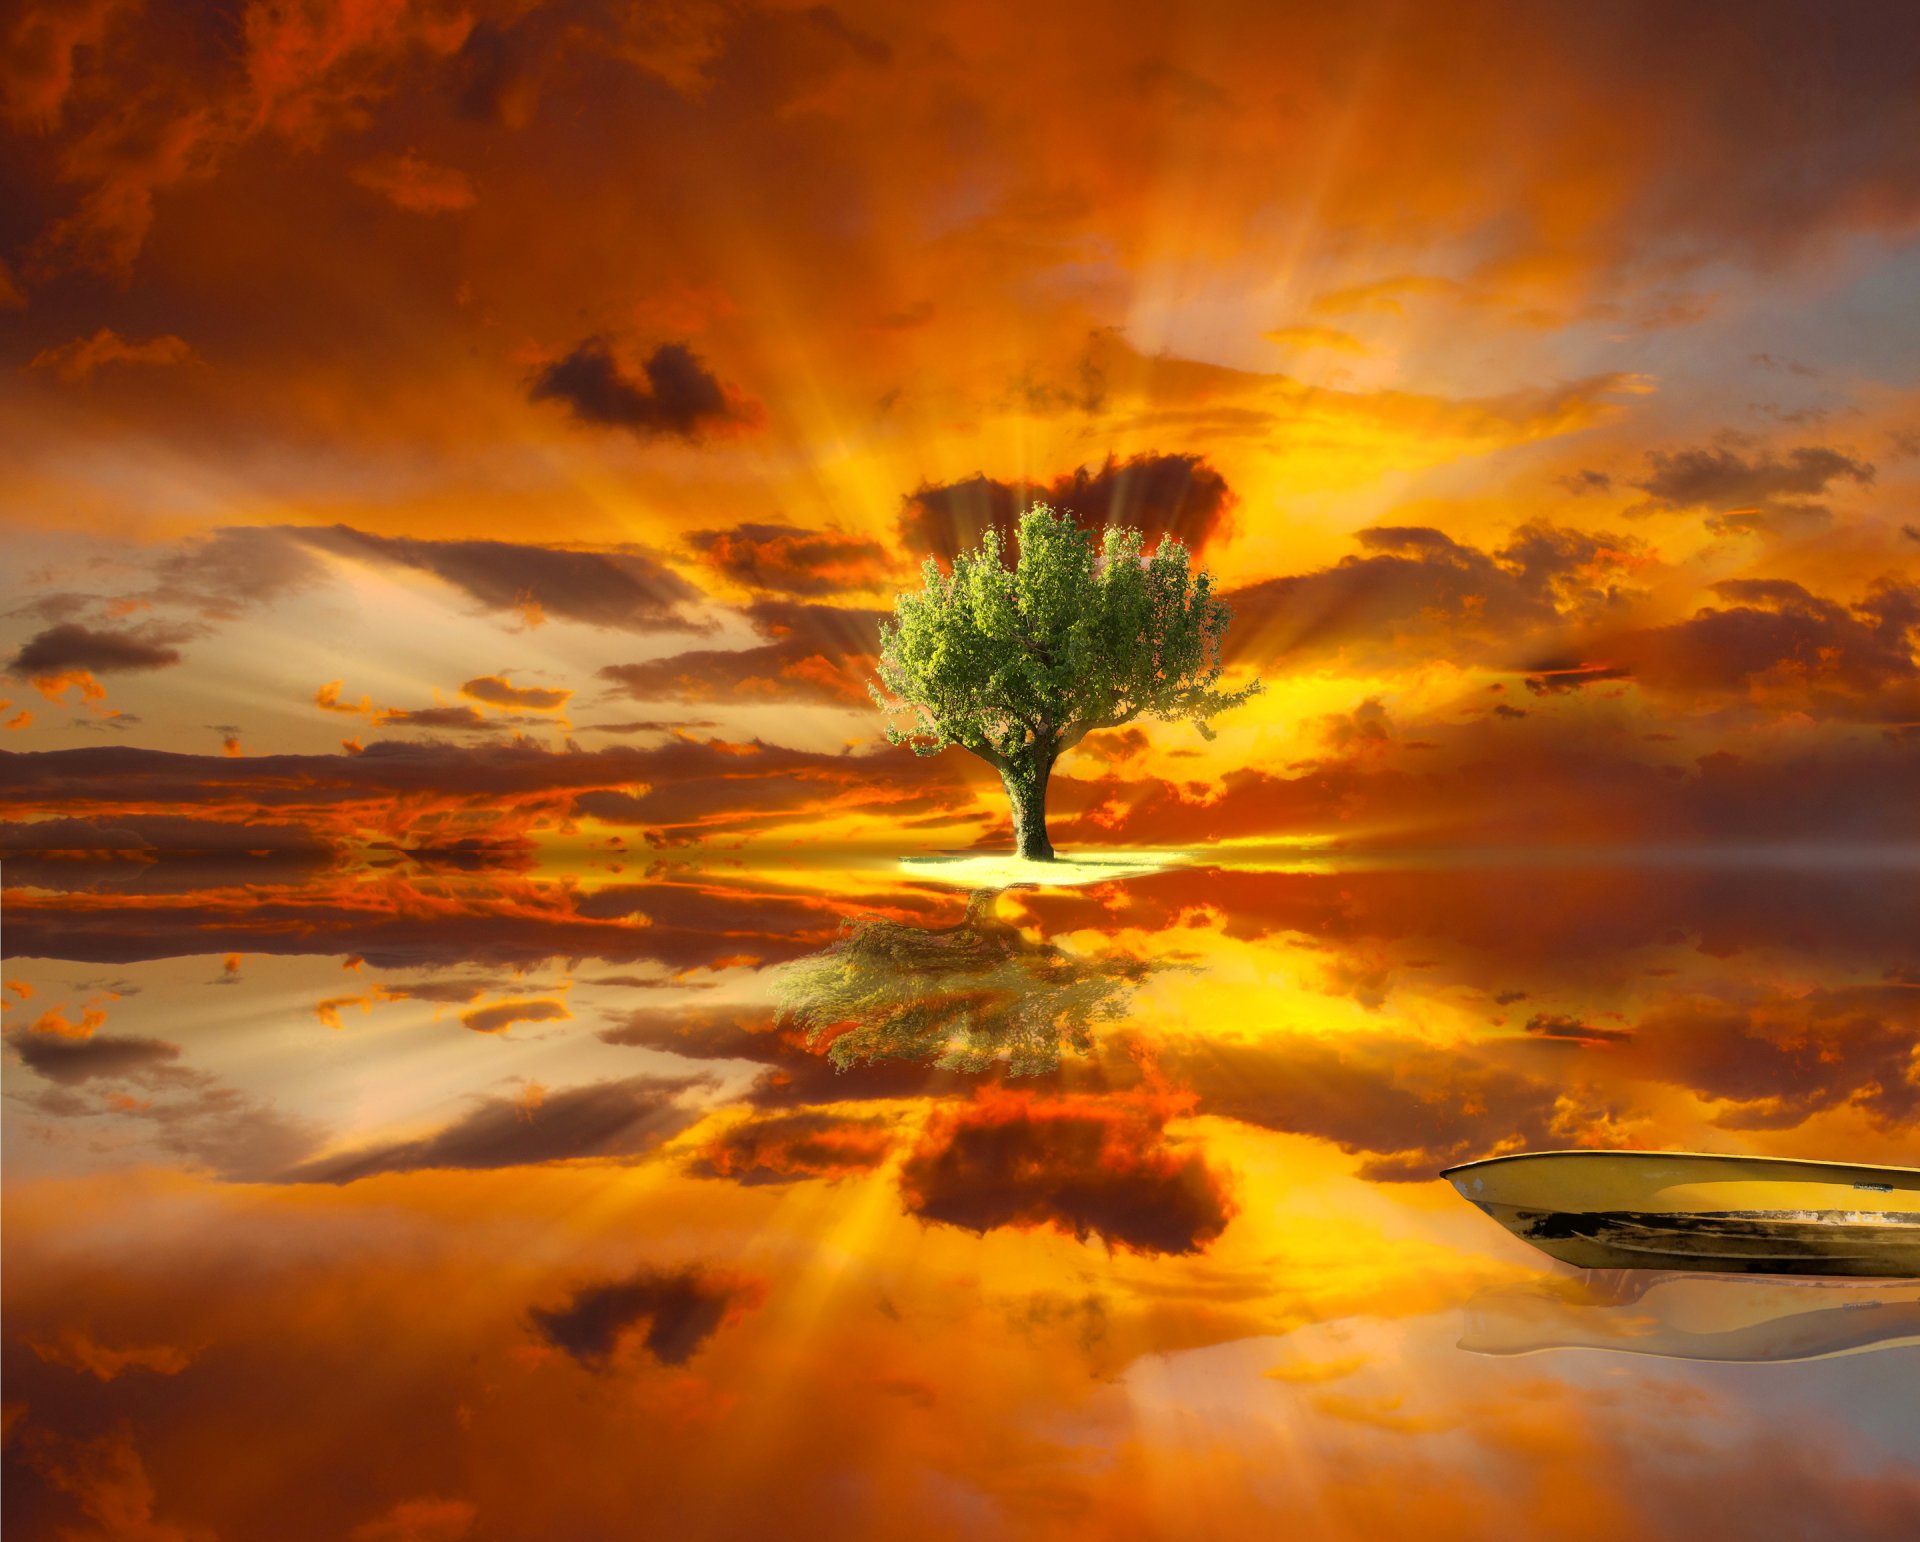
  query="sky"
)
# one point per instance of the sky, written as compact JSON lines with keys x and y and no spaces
{"x":1539,"y":385}
{"x":457,"y":458}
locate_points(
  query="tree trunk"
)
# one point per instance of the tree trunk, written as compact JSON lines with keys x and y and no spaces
{"x":1027,"y":792}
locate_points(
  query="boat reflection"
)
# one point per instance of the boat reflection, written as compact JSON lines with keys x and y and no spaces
{"x":1694,"y":1316}
{"x":958,"y":998}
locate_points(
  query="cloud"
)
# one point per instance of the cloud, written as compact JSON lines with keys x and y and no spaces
{"x":786,"y":1148}
{"x":818,"y":653}
{"x":497,"y":691}
{"x":418,"y":186}
{"x":673,"y":394}
{"x":461,"y":717}
{"x":72,"y":1061}
{"x":1407,"y":1109}
{"x":1742,"y":495}
{"x":1089,"y":1167}
{"x":625,"y":589}
{"x":39,"y":68}
{"x":223,"y":575}
{"x":1418,"y":593}
{"x":75,"y":362}
{"x":1566,"y":1029}
{"x":106,"y":1479}
{"x":679,"y":1310}
{"x":1776,"y":1061}
{"x":1330,"y":338}
{"x":792,"y":560}
{"x":1778,"y":643}
{"x":98,"y":650}
{"x":76,"y":1349}
{"x":1181,"y":496}
{"x":425,"y":1519}
{"x":599,"y":1119}
{"x":498,"y":1016}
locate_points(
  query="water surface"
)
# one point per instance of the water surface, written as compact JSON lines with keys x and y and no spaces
{"x":846,"y":1200}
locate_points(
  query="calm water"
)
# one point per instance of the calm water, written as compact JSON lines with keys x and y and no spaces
{"x":438,"y":1202}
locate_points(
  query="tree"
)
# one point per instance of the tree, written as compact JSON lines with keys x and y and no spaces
{"x":1020,"y":664}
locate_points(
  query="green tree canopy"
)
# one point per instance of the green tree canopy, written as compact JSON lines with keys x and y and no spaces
{"x":1019,"y":664}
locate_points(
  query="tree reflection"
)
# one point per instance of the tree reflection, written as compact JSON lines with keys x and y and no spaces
{"x":961,"y":998}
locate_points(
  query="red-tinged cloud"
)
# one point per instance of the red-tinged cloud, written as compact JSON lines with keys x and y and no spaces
{"x":416,"y":185}
{"x":817,"y":653}
{"x":425,"y":1519}
{"x":786,"y":1148}
{"x":75,"y":362}
{"x":670,"y":1314}
{"x":1100,"y":1168}
{"x":77,"y":1350}
{"x":603,"y":1120}
{"x":40,"y":64}
{"x":1161,"y":495}
{"x":624,"y":589}
{"x":669,"y":393}
{"x":105,"y":1479}
{"x":792,"y":560}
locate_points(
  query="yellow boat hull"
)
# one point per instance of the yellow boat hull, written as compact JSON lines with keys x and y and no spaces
{"x":1684,"y":1210}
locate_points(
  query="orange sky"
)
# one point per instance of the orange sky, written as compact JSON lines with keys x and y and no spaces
{"x":457,"y":455}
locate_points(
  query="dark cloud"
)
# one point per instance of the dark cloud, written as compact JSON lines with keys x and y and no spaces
{"x":222,"y":575}
{"x":1409,"y":1109}
{"x":1090,"y":1168}
{"x":98,"y":650}
{"x":1558,"y":787}
{"x":1741,"y":494}
{"x":601,"y":1119}
{"x":1161,"y":495}
{"x":1560,"y":678}
{"x":1417,"y":593}
{"x":1778,"y":1060}
{"x":71,"y":1061}
{"x":819,"y":653}
{"x":1777,"y":641}
{"x":498,"y":1016}
{"x":625,"y":588}
{"x":785,"y":1148}
{"x":650,"y":725}
{"x":673,"y":393}
{"x":789,"y":559}
{"x":159,"y":853}
{"x":681,"y":1310}
{"x":463,"y":719}
{"x":1585,"y":480}
{"x":1560,"y":1026}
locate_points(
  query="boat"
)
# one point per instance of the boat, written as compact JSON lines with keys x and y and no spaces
{"x":1691,"y":1210}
